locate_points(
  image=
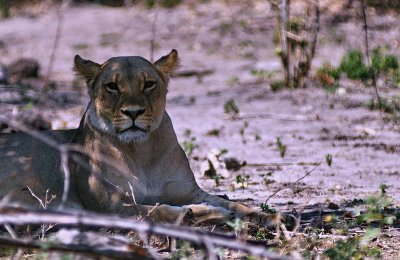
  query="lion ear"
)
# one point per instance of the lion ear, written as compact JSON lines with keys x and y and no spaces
{"x":86,"y":68}
{"x":168,"y":64}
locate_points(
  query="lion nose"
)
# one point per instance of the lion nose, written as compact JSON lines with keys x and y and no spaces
{"x":132,"y":113}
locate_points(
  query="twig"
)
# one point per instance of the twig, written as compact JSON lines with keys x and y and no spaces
{"x":36,"y":197}
{"x":366,"y":42}
{"x":132,"y":193}
{"x":11,"y":231}
{"x":13,"y":214}
{"x":60,"y":16}
{"x":153,"y":31}
{"x":67,"y":175}
{"x":293,"y":184}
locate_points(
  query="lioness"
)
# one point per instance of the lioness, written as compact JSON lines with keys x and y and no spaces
{"x":125,"y":121}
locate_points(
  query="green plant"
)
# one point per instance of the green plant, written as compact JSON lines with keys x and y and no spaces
{"x":185,"y":250}
{"x":237,"y":225}
{"x":387,"y":105}
{"x":383,"y":188}
{"x":352,"y":64}
{"x":189,"y":145}
{"x":277,"y":85}
{"x":265,"y":208}
{"x":230,"y":108}
{"x":382,"y":62}
{"x":216,"y":178}
{"x":261,"y":73}
{"x":281,"y":147}
{"x":328,"y":159}
{"x":242,"y":181}
{"x":266,"y":179}
{"x":262,"y":234}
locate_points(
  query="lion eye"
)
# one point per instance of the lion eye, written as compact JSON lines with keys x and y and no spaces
{"x":149,"y":85}
{"x":112,"y":87}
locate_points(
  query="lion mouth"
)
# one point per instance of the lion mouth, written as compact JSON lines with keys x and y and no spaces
{"x":133,"y":129}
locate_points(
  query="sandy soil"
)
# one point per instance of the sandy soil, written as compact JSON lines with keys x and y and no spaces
{"x":233,"y":41}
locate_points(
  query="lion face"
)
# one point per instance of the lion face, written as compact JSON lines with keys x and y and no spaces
{"x":128,"y":94}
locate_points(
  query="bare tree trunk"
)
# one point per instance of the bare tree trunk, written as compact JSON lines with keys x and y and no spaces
{"x":307,"y":55}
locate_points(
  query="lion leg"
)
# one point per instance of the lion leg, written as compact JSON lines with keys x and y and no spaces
{"x":240,"y":211}
{"x":202,"y":213}
{"x":157,"y":213}
{"x":195,"y":213}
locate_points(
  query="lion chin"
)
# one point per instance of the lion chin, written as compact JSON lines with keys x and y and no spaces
{"x":133,"y":136}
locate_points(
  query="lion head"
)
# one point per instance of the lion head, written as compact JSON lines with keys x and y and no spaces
{"x":128,"y":94}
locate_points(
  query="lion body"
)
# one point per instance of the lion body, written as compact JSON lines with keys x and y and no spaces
{"x":125,"y":123}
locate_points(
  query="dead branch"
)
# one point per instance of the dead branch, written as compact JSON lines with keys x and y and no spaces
{"x":194,"y":73}
{"x":294,"y":183}
{"x":191,"y":73}
{"x":16,"y":215}
{"x":366,"y":42}
{"x":134,"y":252}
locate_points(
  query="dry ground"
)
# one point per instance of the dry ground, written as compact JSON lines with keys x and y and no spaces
{"x":233,"y":39}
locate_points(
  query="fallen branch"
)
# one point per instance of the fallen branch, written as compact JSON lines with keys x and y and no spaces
{"x":193,"y":73}
{"x":135,"y":251}
{"x":16,"y":215}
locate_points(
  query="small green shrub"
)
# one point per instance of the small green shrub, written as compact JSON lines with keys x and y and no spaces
{"x":387,"y":105}
{"x":329,"y":159}
{"x":267,"y":209}
{"x":230,"y":107}
{"x":352,"y":64}
{"x":281,"y":147}
{"x":242,"y":181}
{"x":277,"y":85}
{"x":382,"y":62}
